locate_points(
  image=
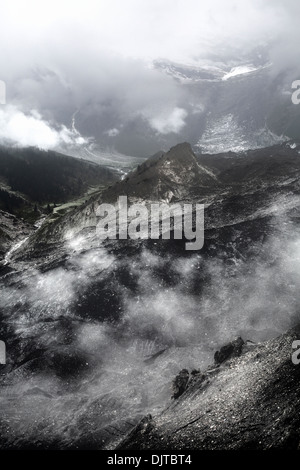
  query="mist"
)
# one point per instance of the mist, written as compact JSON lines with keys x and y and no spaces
{"x":156,"y":308}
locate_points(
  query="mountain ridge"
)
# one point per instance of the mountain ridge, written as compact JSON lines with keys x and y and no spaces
{"x":165,"y":176}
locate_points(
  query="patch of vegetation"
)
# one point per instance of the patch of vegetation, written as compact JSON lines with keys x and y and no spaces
{"x":35,"y":182}
{"x":50,"y":177}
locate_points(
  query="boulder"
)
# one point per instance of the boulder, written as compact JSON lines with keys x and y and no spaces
{"x":232,"y":349}
{"x":180,"y":383}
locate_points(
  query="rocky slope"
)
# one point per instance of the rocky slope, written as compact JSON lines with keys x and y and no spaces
{"x":33,"y":182}
{"x":247,"y":402}
{"x":12,"y":230}
{"x":174,"y":175}
{"x":96,"y":332}
{"x":234,"y":187}
{"x":47,"y":176}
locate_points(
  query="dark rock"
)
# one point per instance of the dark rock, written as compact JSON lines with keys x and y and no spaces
{"x":232,"y":349}
{"x":180,"y":383}
{"x":152,"y":358}
{"x":165,"y":175}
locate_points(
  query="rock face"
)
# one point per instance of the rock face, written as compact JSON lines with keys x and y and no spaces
{"x":180,"y":383}
{"x":167,"y":176}
{"x":229,"y":350}
{"x":250,"y":402}
{"x":12,"y":230}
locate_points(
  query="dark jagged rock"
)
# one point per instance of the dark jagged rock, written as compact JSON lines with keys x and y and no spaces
{"x":232,"y":349}
{"x":252,"y":403}
{"x":180,"y":383}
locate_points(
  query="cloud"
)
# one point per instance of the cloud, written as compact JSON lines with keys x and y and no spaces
{"x":18,"y":128}
{"x":112,"y":132}
{"x":179,"y":319}
{"x":169,"y":122}
{"x":95,"y":57}
{"x":148,"y":29}
{"x":2,"y":92}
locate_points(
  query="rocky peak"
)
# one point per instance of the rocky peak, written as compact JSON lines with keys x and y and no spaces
{"x":180,"y":153}
{"x":176,"y":171}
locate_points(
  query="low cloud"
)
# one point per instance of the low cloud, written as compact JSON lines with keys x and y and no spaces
{"x":20,"y":129}
{"x":100,"y":63}
{"x":257,"y":299}
{"x":168,"y":122}
{"x":112,"y":132}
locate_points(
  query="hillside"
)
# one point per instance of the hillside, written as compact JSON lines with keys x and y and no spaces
{"x":47,"y":176}
{"x":33,"y":182}
{"x":98,"y":331}
{"x":249,"y":402}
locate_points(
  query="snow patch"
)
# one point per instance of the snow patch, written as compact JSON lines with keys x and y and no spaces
{"x":240,"y":70}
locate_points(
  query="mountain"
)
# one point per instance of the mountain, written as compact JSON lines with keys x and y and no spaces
{"x":47,"y":176}
{"x":97,"y":331}
{"x":227,"y":104}
{"x":166,"y":176}
{"x":236,"y":105}
{"x":34,"y":183}
{"x":217,"y":103}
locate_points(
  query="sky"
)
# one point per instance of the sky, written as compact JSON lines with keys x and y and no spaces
{"x":95,"y":57}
